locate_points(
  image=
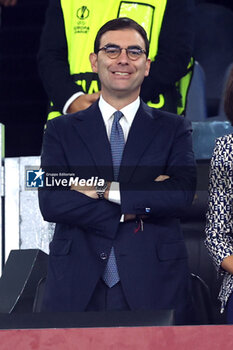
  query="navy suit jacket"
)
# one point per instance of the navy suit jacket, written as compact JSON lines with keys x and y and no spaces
{"x":152,"y":263}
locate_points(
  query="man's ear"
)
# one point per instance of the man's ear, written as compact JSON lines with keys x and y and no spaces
{"x":147,"y":70}
{"x":93,"y":59}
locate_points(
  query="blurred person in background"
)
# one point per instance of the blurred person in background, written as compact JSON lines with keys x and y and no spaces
{"x":8,"y":2}
{"x":68,"y":37}
{"x":219,"y":226}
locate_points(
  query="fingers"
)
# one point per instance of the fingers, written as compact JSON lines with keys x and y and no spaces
{"x":93,"y":97}
{"x":89,"y":191}
{"x":128,"y":217}
{"x":79,"y":104}
{"x":162,"y":178}
{"x":82,"y":102}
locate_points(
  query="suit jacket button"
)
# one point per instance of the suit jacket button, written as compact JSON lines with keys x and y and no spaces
{"x":103,"y":256}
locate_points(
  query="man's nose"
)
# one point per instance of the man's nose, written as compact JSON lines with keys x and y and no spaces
{"x":123,"y":57}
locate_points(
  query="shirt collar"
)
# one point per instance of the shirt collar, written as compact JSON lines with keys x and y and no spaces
{"x":129,"y":111}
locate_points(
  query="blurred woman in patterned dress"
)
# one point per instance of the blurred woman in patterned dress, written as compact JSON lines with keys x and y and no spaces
{"x":219,"y":226}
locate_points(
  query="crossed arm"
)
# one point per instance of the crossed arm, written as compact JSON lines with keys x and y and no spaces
{"x":91,"y":192}
{"x":79,"y":205}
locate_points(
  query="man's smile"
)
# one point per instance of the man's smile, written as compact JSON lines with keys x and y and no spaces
{"x":121,"y":73}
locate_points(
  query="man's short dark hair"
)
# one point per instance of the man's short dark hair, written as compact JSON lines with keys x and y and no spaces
{"x":119,"y":24}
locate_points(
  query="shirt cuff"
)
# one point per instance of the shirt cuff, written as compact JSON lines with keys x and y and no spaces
{"x":114,"y":194}
{"x":71,"y":99}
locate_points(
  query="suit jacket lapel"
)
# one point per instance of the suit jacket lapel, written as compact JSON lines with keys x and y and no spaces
{"x":92,"y":130}
{"x":93,"y":133}
{"x":142,"y":132}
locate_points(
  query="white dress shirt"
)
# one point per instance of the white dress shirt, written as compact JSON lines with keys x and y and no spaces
{"x":126,"y":121}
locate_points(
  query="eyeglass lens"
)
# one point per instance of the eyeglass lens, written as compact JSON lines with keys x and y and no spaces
{"x":132,"y":52}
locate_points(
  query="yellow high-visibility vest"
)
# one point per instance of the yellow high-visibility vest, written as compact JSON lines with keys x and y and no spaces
{"x":84,"y":18}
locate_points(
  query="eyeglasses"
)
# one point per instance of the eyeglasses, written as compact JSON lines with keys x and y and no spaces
{"x":114,"y":51}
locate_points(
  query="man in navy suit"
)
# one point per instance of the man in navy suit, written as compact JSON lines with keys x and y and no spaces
{"x":118,"y":244}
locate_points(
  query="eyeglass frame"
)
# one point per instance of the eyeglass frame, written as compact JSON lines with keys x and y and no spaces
{"x":142,"y":51}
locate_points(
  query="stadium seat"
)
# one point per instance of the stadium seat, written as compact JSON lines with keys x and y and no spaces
{"x":19,"y":280}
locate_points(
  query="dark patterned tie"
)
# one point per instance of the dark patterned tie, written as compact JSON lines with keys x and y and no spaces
{"x":117,"y":141}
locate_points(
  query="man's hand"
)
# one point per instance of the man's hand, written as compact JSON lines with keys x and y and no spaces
{"x":8,"y":2}
{"x":128,"y":217}
{"x":82,"y":102}
{"x":162,"y":178}
{"x":87,"y":190}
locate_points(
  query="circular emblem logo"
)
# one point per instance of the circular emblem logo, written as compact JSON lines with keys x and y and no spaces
{"x":83,"y":12}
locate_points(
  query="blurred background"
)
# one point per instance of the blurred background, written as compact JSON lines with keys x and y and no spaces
{"x":23,"y":102}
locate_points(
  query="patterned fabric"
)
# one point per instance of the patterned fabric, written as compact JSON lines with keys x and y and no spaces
{"x":219,"y":226}
{"x":117,"y":141}
{"x":111,"y":274}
